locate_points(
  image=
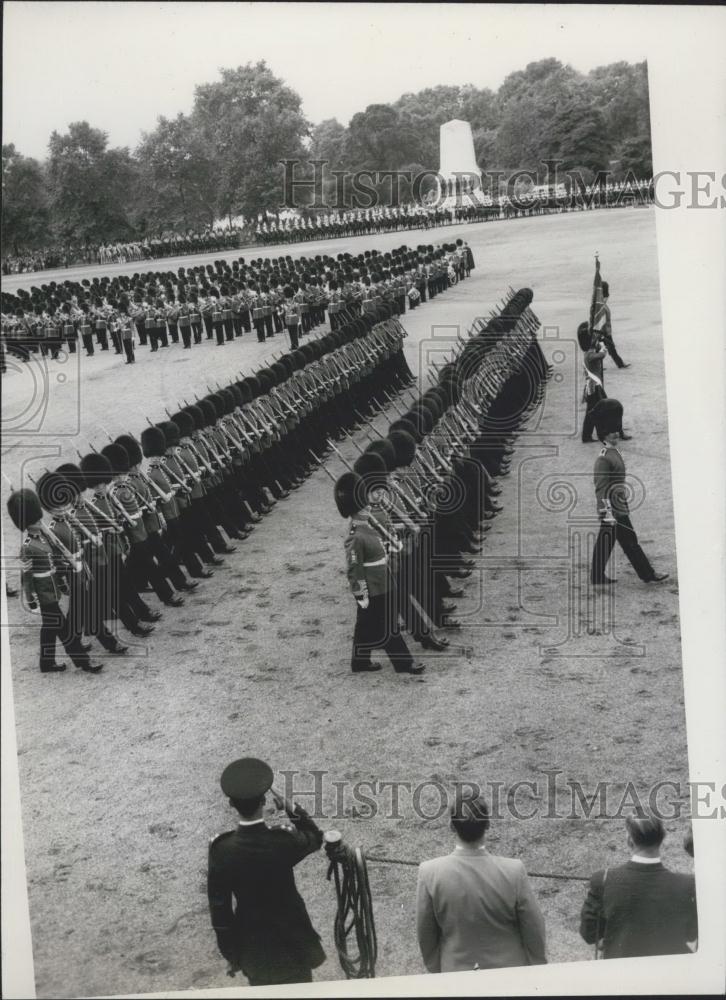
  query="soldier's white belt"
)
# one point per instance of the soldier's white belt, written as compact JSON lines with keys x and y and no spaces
{"x":45,"y":573}
{"x":377,"y":562}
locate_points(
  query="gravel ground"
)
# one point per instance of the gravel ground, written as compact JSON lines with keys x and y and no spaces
{"x":119,"y":773}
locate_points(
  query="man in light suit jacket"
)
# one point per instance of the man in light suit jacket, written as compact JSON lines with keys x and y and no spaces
{"x":476,"y":910}
{"x":641,"y":908}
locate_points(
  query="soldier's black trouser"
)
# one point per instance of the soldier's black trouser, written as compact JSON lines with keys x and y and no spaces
{"x":376,"y":627}
{"x":205,"y":526}
{"x":218,"y":326}
{"x":612,"y":350}
{"x":182,"y":547}
{"x":129,"y":351}
{"x":88,"y":343}
{"x":167,"y":561}
{"x":624,"y":533}
{"x":143,"y":570}
{"x":591,"y":401}
{"x":292,"y":330}
{"x":186,"y":335}
{"x":54,"y":626}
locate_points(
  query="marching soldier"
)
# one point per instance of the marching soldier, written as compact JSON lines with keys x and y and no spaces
{"x":603,"y":327}
{"x":66,"y":534}
{"x":612,"y":503}
{"x":370,"y":581}
{"x":259,"y":918}
{"x":42,"y":587}
{"x":142,"y":567}
{"x":124,"y":598}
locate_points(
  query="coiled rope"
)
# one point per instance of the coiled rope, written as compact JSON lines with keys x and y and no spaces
{"x":355,"y":908}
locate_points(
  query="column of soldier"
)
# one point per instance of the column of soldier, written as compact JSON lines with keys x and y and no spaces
{"x":119,"y":526}
{"x":420,"y":499}
{"x":222,"y":302}
{"x":417,"y":216}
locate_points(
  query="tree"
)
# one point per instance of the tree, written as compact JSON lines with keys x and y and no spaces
{"x":328,"y":143}
{"x":577,"y":134}
{"x":636,"y":158}
{"x":381,"y":138}
{"x":250,"y":121}
{"x":25,"y":218}
{"x":178,"y":177}
{"x":91,"y":187}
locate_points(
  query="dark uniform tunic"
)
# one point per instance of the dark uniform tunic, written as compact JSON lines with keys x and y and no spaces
{"x":260,"y":919}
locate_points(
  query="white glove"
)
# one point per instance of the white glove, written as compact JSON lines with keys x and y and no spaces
{"x":363,"y":600}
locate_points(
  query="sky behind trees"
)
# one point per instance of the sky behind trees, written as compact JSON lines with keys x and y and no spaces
{"x":121,"y":65}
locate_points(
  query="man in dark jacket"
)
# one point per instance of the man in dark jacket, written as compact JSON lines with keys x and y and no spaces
{"x":268,"y":934}
{"x":641,"y":908}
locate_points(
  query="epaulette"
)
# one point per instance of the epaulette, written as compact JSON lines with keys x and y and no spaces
{"x":286,"y":828}
{"x":220,"y":836}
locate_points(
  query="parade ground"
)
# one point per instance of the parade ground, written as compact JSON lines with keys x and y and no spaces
{"x":543,"y":684}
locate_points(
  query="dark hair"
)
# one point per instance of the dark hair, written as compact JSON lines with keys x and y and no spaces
{"x":469,"y":817}
{"x":645,"y":829}
{"x":247,"y":807}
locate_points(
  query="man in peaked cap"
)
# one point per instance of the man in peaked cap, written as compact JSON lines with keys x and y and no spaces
{"x":266,"y":932}
{"x":612,"y":503}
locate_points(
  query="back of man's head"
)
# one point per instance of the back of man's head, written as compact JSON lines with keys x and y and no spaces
{"x":469,"y":817}
{"x":248,"y":807}
{"x":645,"y":830}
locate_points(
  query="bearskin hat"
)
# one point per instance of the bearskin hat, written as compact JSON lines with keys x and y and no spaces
{"x":185,"y":422}
{"x":348,"y":494}
{"x":153,"y":442}
{"x":54,"y":491}
{"x":409,"y":427}
{"x":74,"y":477}
{"x":133,"y":449}
{"x":404,"y":447}
{"x":96,"y":469}
{"x":584,"y":338}
{"x":24,"y":508}
{"x":385,"y":450}
{"x":608,"y":414}
{"x":118,"y":458}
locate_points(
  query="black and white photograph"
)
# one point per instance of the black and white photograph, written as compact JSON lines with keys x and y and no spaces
{"x":386,"y":641}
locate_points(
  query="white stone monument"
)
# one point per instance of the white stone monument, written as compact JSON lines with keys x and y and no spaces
{"x":459,"y":175}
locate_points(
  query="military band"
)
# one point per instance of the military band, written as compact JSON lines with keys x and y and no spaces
{"x":279,"y":297}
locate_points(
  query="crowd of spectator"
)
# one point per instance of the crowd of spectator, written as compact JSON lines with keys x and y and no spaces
{"x":150,"y":248}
